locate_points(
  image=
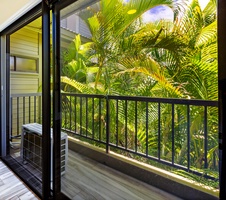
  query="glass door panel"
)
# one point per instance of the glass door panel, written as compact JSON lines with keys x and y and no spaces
{"x":25,"y":117}
{"x":74,"y":33}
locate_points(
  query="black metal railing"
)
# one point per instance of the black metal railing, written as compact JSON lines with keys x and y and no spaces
{"x":179,"y":133}
{"x":25,"y":108}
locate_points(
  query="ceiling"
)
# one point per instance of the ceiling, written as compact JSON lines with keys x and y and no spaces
{"x":11,"y":10}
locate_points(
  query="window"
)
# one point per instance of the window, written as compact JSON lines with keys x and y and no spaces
{"x":23,"y":64}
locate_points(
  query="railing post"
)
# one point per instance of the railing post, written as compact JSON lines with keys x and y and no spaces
{"x":159,"y":130}
{"x":107,"y":125}
{"x":205,"y":138}
{"x":173,"y":135}
{"x":188,"y":138}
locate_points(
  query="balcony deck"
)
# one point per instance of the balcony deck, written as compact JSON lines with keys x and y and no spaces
{"x":86,"y":179}
{"x":11,"y":187}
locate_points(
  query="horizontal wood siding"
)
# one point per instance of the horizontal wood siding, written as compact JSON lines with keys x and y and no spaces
{"x":24,"y":85}
{"x":75,"y":24}
{"x":83,"y":29}
{"x":24,"y":42}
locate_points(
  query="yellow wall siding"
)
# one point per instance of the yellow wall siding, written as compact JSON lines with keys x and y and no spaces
{"x":24,"y":85}
{"x":25,"y":42}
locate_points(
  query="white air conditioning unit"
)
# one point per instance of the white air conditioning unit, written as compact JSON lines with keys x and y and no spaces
{"x":31,"y":147}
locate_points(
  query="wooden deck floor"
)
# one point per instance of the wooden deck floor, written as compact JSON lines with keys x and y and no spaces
{"x":85,"y":179}
{"x":11,"y":187}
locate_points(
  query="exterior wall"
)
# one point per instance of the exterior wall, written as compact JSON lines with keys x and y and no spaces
{"x":24,"y":83}
{"x":25,"y":43}
{"x":75,"y":24}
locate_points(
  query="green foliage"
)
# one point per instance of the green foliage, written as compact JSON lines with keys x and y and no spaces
{"x":126,"y":56}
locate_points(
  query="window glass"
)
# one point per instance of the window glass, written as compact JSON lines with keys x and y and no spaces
{"x":12,"y":63}
{"x":23,"y":64}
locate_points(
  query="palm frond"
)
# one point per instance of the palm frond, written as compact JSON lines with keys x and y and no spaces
{"x":210,"y":12}
{"x":207,"y":35}
{"x":83,"y":88}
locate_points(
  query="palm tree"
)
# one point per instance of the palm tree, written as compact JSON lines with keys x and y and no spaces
{"x":159,"y":59}
{"x":106,"y":29}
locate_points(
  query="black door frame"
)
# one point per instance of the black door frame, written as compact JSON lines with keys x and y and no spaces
{"x":31,"y":15}
{"x":221,"y":81}
{"x":46,"y":103}
{"x":57,"y":117}
{"x":46,"y":7}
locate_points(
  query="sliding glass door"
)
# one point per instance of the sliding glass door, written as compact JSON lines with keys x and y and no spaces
{"x":75,"y":36}
{"x":24,"y":111}
{"x":25,"y":103}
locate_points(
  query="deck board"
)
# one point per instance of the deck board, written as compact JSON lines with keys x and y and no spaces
{"x":85,"y":179}
{"x":11,"y":187}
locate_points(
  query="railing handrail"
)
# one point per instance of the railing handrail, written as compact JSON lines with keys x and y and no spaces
{"x":150,"y":99}
{"x":135,"y":98}
{"x":26,"y":94}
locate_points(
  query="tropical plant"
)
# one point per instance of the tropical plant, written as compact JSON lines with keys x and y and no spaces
{"x":126,"y":56}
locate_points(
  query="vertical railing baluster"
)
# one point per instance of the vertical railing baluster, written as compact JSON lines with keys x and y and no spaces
{"x":100,"y":135}
{"x":34,"y":108}
{"x":188,"y":137}
{"x":81,"y":115}
{"x":173,"y":134}
{"x":116,"y":123}
{"x":86,"y":116}
{"x":147,"y":110}
{"x":65,"y":113}
{"x":126,"y":131}
{"x":18,"y":114}
{"x":159,"y":131}
{"x":93,"y":107}
{"x":40,"y":109}
{"x":11,"y":117}
{"x":107,"y":124}
{"x":29,"y":109}
{"x":70,"y":113}
{"x":135,"y":117}
{"x":75,"y":106}
{"x":23,"y":110}
{"x":205,"y":138}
